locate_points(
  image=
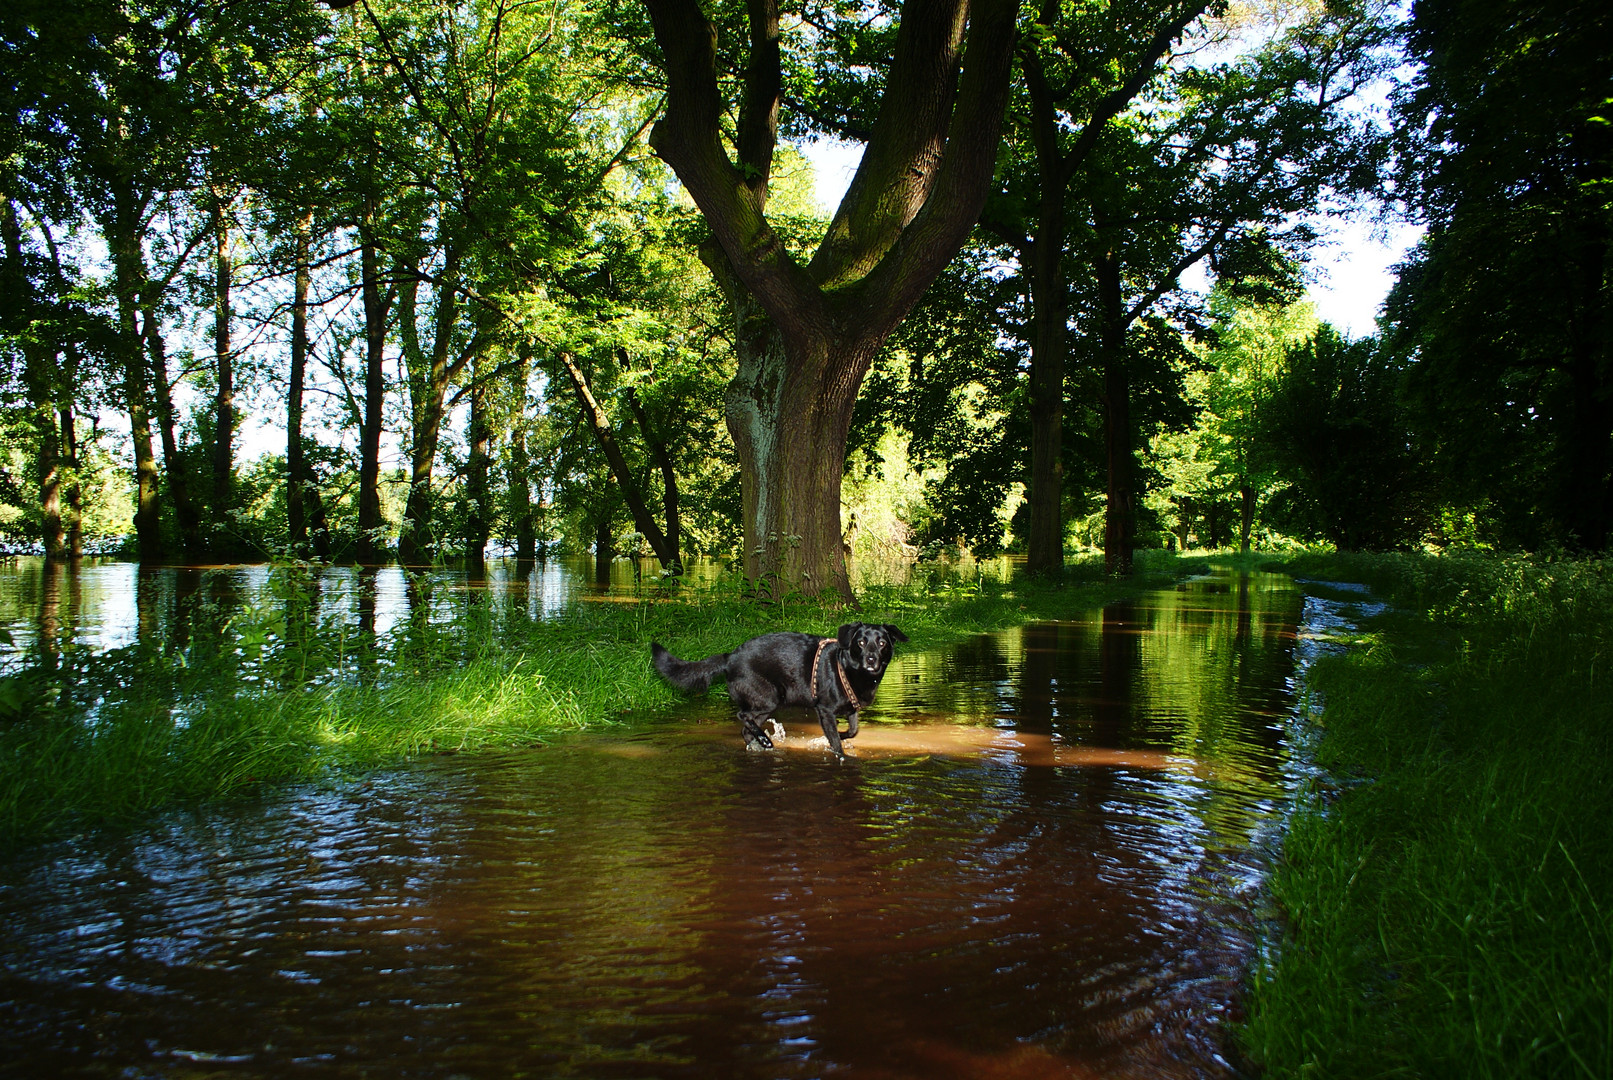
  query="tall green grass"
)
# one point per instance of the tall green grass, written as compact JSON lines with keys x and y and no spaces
{"x":1448,"y":897}
{"x":257,"y":697}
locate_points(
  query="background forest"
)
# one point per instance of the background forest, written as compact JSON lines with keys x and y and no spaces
{"x":426,"y":249}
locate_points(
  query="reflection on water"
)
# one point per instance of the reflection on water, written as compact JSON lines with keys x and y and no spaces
{"x":1040,"y":863}
{"x":104,"y":604}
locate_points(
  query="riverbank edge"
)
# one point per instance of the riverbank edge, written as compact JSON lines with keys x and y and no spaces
{"x":1440,"y":891}
{"x":585,"y":668}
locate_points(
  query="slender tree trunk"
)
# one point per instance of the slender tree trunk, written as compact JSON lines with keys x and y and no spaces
{"x":476,"y":486}
{"x":1120,"y":520}
{"x":39,"y":379}
{"x":602,"y":551}
{"x":376,"y":304}
{"x":224,"y":402}
{"x":1049,"y":332}
{"x":179,"y":490}
{"x":517,"y":468}
{"x":128,"y":263}
{"x":1590,"y":455}
{"x":70,"y":463}
{"x":669,"y":483}
{"x":429,"y":377}
{"x":296,"y":469}
{"x":1246,"y":516}
{"x":605,"y":436}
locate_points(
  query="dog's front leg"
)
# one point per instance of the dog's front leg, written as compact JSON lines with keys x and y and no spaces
{"x":831,"y":731}
{"x":851,"y":727}
{"x":753,"y":731}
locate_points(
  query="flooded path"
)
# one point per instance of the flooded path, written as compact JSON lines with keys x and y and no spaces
{"x":1041,"y":862}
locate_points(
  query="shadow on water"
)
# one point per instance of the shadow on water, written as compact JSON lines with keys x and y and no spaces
{"x":1041,"y":862}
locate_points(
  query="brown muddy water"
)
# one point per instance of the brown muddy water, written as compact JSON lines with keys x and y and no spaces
{"x":1044,"y":860}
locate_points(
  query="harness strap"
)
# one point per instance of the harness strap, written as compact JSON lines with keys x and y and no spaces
{"x":844,"y":683}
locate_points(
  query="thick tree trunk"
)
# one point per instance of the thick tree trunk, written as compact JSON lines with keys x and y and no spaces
{"x":179,"y":490}
{"x":74,"y":516}
{"x":1120,"y":517}
{"x":376,"y":304}
{"x":789,"y":411}
{"x":297,"y":477}
{"x":224,"y":400}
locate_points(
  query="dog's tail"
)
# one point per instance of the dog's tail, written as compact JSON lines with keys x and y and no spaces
{"x":689,"y":675}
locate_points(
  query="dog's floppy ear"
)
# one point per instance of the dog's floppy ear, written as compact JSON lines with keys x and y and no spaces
{"x":896,"y":635}
{"x":847,"y":633}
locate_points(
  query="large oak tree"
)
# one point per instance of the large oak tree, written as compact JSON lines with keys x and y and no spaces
{"x":807,"y":333}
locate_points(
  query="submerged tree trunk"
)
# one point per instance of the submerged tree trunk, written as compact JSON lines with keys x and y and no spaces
{"x":224,"y":358}
{"x":518,"y":478}
{"x":1044,"y":253}
{"x":74,"y":516}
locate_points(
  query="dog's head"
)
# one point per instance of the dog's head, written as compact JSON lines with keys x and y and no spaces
{"x":868,"y":646}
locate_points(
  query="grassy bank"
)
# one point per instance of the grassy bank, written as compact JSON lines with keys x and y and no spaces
{"x":252,"y":700}
{"x":1448,"y":901}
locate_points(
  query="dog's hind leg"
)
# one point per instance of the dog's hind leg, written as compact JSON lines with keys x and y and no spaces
{"x":750,"y":723}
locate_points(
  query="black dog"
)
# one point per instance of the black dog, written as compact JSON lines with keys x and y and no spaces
{"x":837,"y":676}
